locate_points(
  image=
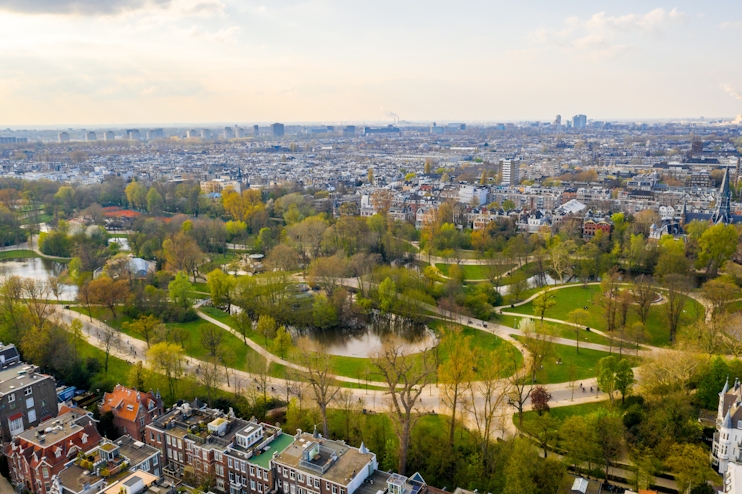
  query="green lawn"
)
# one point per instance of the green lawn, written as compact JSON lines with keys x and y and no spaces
{"x":560,"y":330}
{"x":563,"y":413}
{"x":18,"y":254}
{"x":471,"y":271}
{"x":585,"y":363}
{"x":358,"y":367}
{"x":193,"y":346}
{"x":735,"y":306}
{"x":577,"y":297}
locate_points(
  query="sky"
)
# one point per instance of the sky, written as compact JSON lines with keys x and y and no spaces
{"x":113,"y":62}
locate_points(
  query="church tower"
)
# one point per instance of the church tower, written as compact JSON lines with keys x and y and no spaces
{"x":723,"y":210}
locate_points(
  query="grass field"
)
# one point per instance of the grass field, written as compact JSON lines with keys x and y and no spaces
{"x":470,"y":271}
{"x":359,"y":368}
{"x":560,"y":330}
{"x":18,"y":254}
{"x":563,"y":413}
{"x":577,"y":297}
{"x":585,"y":364}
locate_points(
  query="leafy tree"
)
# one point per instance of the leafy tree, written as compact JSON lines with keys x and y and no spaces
{"x":678,"y":287}
{"x":282,"y":342}
{"x":711,"y":382}
{"x":543,"y":428}
{"x":168,"y":359}
{"x":717,"y":244}
{"x":624,"y":376}
{"x":690,"y":464}
{"x":580,"y":317}
{"x":520,"y":469}
{"x":545,"y":300}
{"x":387,"y":295}
{"x":319,"y":374}
{"x":324,"y":313}
{"x":221,"y":286}
{"x":155,"y":202}
{"x":540,"y":398}
{"x":457,"y":372}
{"x":180,"y":290}
{"x":266,"y":327}
{"x":608,"y":432}
{"x":105,"y":291}
{"x":136,"y":194}
{"x":145,"y":326}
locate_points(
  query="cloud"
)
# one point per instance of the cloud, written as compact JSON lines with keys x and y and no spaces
{"x":225,"y":35}
{"x":604,"y":34}
{"x":79,"y":7}
{"x":732,"y":91}
{"x":182,"y":8}
{"x":731,"y":25}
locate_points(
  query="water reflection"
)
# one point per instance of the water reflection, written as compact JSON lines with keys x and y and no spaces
{"x":363,"y":341}
{"x":37,"y":269}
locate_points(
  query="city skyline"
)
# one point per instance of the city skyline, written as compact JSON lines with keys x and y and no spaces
{"x":82,"y":63}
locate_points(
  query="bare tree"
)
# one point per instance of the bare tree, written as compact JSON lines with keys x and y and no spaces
{"x":485,"y":400}
{"x":457,"y":372}
{"x":258,"y":367}
{"x":405,"y":377}
{"x":644,"y":294}
{"x":209,"y":376}
{"x":678,"y":288}
{"x":211,"y":338}
{"x":351,"y":408}
{"x":733,"y":335}
{"x":520,"y":382}
{"x":111,"y":339}
{"x":318,"y":373}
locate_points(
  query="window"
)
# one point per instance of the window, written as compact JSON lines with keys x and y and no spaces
{"x":205,"y":454}
{"x":231,"y":476}
{"x":260,"y":487}
{"x":220,"y":470}
{"x":141,"y":420}
{"x":84,"y":438}
{"x":180,"y":457}
{"x":180,"y":444}
{"x":11,"y":401}
{"x":279,"y":483}
{"x":167,"y":440}
{"x":151,"y":436}
{"x":334,"y":489}
{"x":292,"y":475}
{"x":29,"y":402}
{"x":154,"y":460}
{"x":32,"y":415}
{"x":28,"y":391}
{"x":252,"y":484}
{"x":252,"y":470}
{"x":285,"y":472}
{"x":229,"y":462}
{"x":316,"y":483}
{"x":243,"y":467}
{"x":301,"y":477}
{"x":217,"y":456}
{"x":45,"y":472}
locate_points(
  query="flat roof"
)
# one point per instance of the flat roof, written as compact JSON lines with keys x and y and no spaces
{"x":276,"y":446}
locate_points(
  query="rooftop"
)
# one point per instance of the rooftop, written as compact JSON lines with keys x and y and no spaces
{"x":276,"y":446}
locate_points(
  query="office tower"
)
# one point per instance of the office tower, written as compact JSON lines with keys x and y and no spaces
{"x":277,"y":130}
{"x":510,"y":172}
{"x":155,"y":134}
{"x":558,"y":121}
{"x":228,"y":133}
{"x":256,"y":130}
{"x":239,"y":132}
{"x":579,"y":121}
{"x":132,"y":134}
{"x":90,"y":136}
{"x":108,"y":135}
{"x":193,"y":133}
{"x":63,"y":136}
{"x":349,"y":131}
{"x":205,"y":134}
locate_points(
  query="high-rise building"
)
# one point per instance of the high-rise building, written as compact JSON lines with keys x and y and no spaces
{"x":132,"y":134}
{"x":256,"y":130}
{"x":510,"y":172}
{"x":579,"y":121}
{"x":90,"y":136}
{"x":434,"y":129}
{"x":63,"y":136}
{"x":558,"y":121}
{"x":109,"y":135}
{"x":192,"y":133}
{"x":205,"y":134}
{"x":228,"y":133}
{"x":239,"y":132}
{"x":349,"y":131}
{"x":155,"y":134}
{"x":277,"y":130}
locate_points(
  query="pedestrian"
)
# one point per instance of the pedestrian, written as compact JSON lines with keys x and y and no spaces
{"x":591,"y":389}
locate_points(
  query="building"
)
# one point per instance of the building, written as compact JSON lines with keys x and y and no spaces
{"x":133,"y":134}
{"x":469,"y":193}
{"x":228,"y":133}
{"x":108,"y":135}
{"x":510,"y":172}
{"x":37,"y":455}
{"x":277,"y":130}
{"x":205,"y":134}
{"x":140,"y":483}
{"x":579,"y":121}
{"x":90,"y":136}
{"x":733,"y":479}
{"x":390,"y":129}
{"x":349,"y":131}
{"x":592,"y":223}
{"x":155,"y":134}
{"x":63,"y":136}
{"x":193,"y":134}
{"x":256,"y":130}
{"x":27,"y":397}
{"x":314,"y":464}
{"x":434,"y":129}
{"x":132,"y":410}
{"x":727,"y":442}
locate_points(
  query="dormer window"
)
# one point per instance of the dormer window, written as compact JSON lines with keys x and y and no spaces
{"x":84,"y":438}
{"x":130,"y":408}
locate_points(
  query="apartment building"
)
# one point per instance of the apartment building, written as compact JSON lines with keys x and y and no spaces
{"x":27,"y":397}
{"x":35,"y":456}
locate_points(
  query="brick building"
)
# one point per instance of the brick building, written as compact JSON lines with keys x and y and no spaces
{"x":35,"y":456}
{"x":132,"y":410}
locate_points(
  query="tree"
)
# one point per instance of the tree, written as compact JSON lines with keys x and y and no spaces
{"x":328,"y":271}
{"x":282,"y":342}
{"x":457,"y":372}
{"x":182,"y":254}
{"x":211,"y":338}
{"x":282,"y":257}
{"x":580,"y":318}
{"x":678,"y":287}
{"x":624,"y":378}
{"x":644,"y":294}
{"x":111,"y":339}
{"x":545,"y":300}
{"x":136,"y":194}
{"x":155,"y":202}
{"x":180,"y":290}
{"x":719,"y":294}
{"x":220,"y":286}
{"x":540,"y":398}
{"x":318,"y":373}
{"x":258,"y":367}
{"x":608,"y":431}
{"x":324,"y":313}
{"x":242,"y":206}
{"x":145,"y":326}
{"x":266,"y":327}
{"x":387,"y":295}
{"x":405,"y":376}
{"x":243,"y":324}
{"x":520,"y":469}
{"x":486,"y":396}
{"x":168,"y":359}
{"x":538,"y":342}
{"x":519,"y":285}
{"x":520,"y":381}
{"x":104,"y":291}
{"x":690,"y":464}
{"x":578,"y":441}
{"x":561,"y":258}
{"x":543,"y":428}
{"x":717,"y":244}
{"x":210,"y":377}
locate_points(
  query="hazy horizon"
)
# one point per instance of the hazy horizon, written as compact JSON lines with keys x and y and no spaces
{"x":86,"y":63}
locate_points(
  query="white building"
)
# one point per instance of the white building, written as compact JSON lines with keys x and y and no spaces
{"x":108,"y":135}
{"x":727,"y":445}
{"x":733,"y":479}
{"x":469,"y":192}
{"x":510,"y":172}
{"x":63,"y":136}
{"x":90,"y":136}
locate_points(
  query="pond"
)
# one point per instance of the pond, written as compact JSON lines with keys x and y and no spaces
{"x":364,"y":341}
{"x":38,"y":269}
